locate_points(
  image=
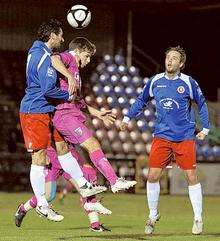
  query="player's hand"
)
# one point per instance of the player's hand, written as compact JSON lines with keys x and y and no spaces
{"x":72,"y":85}
{"x":123,"y":126}
{"x":107,"y":117}
{"x":201,"y":136}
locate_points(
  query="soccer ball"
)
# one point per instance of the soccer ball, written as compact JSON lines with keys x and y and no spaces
{"x":79,"y":16}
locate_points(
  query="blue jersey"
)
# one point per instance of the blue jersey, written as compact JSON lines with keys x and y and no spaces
{"x":41,"y":81}
{"x":175,"y":119}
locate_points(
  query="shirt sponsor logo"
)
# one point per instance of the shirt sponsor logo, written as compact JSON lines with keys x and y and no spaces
{"x":180,"y":89}
{"x":169,"y":103}
{"x":78,"y":131}
{"x":50,"y":72}
{"x":161,"y":86}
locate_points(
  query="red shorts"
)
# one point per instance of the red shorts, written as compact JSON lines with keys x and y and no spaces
{"x":164,"y":151}
{"x":38,"y":131}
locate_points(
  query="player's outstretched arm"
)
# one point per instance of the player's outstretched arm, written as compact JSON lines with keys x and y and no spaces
{"x":61,"y":68}
{"x":105,"y":115}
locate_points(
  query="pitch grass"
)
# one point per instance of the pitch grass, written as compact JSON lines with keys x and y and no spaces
{"x":127,"y":221}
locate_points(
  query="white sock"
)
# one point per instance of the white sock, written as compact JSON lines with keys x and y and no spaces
{"x":195,"y":195}
{"x":153,"y":192}
{"x":71,"y":166}
{"x":37,"y":177}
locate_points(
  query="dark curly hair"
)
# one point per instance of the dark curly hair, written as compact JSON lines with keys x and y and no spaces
{"x":83,"y":44}
{"x":181,"y":51}
{"x":46,"y":28}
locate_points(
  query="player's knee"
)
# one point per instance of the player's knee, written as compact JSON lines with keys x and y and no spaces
{"x":192,"y":179}
{"x":91,"y":145}
{"x":62,"y":148}
{"x":153,"y":177}
{"x":39,"y":158}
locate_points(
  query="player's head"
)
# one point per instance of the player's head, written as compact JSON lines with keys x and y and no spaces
{"x":175,"y":59}
{"x":51,"y":32}
{"x":84,"y":50}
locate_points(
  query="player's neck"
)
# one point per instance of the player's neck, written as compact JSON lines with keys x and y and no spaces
{"x":172,"y":75}
{"x":50,"y":44}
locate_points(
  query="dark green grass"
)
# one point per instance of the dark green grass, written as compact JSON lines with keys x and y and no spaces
{"x":127,"y":220}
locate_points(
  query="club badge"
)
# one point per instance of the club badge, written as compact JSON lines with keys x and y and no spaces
{"x":180,"y":89}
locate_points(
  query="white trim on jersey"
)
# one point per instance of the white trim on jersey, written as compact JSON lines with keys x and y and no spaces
{"x":42,"y":59}
{"x":185,"y":78}
{"x":27,"y":65}
{"x":155,"y":78}
{"x":72,"y":53}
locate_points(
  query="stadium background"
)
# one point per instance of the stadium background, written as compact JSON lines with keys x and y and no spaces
{"x":131,"y":37}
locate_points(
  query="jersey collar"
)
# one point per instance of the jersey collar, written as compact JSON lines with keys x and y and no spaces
{"x":175,"y":78}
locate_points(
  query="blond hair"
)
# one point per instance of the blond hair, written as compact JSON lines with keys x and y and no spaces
{"x":82,"y":44}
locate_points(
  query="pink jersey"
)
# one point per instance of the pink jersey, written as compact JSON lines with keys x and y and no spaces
{"x":70,"y":62}
{"x":68,"y":118}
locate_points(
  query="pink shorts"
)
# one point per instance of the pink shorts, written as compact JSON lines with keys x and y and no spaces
{"x":71,"y":126}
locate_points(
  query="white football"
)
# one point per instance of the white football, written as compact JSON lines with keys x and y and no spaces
{"x":79,"y":16}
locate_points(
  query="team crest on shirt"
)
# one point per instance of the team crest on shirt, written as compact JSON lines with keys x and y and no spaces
{"x":180,"y":89}
{"x":78,"y":131}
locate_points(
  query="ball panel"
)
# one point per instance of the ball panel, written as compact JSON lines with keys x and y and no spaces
{"x":79,"y":16}
{"x":78,"y":6}
{"x":71,"y":20}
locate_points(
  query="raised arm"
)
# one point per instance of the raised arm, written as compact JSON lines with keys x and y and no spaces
{"x":47,"y":74}
{"x":61,"y":68}
{"x":106,"y":115}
